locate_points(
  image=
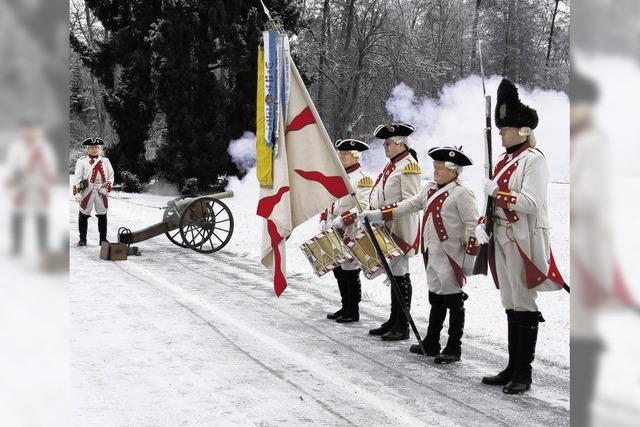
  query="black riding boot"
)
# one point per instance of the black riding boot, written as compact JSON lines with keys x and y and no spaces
{"x":585,"y":355}
{"x":525,"y":353}
{"x":82,"y":228}
{"x":43,"y":232}
{"x":17,"y":221}
{"x":453,"y":349}
{"x":400,"y":329}
{"x":386,"y":326}
{"x":352,"y":312}
{"x":431,"y":341}
{"x":338,"y":272}
{"x":102,"y":227}
{"x":503,"y":377}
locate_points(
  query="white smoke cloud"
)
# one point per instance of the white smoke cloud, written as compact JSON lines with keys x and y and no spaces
{"x":457,"y":118}
{"x":243,"y":151}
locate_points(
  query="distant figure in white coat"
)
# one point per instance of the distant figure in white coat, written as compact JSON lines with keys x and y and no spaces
{"x":92,"y":183}
{"x":31,"y":174}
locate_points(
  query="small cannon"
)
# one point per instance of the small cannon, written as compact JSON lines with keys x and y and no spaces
{"x":202,"y":223}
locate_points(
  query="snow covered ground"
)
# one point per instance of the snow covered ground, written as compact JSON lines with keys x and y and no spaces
{"x":178,"y":338}
{"x":34,"y":325}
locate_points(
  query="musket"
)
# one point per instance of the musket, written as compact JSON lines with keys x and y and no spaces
{"x":480,"y":266}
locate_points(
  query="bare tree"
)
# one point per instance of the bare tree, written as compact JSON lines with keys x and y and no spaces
{"x":553,"y":23}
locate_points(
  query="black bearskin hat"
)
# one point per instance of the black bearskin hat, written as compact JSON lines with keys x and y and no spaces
{"x":510,"y":111}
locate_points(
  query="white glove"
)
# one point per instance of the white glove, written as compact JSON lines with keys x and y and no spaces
{"x":374,"y":217}
{"x":481,"y":234}
{"x":78,"y":197}
{"x":490,"y":187}
{"x":467,"y":264}
{"x":324,"y":225}
{"x":337,"y":223}
{"x":103,"y":190}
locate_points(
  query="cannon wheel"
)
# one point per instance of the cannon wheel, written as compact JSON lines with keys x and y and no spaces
{"x":206,"y":225}
{"x":174,"y":235}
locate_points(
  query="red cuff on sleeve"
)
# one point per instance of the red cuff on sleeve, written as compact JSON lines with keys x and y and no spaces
{"x":472,"y":246}
{"x":348,"y":218}
{"x":482,"y":219}
{"x":504,"y":199}
{"x":323,"y":216}
{"x":387,"y":212}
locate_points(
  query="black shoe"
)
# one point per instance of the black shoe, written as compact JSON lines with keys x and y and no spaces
{"x":395,"y":335}
{"x":502,"y":378}
{"x":81,"y":243}
{"x":515,"y":387}
{"x":337,"y":314}
{"x":430,"y":351}
{"x":444,"y":358}
{"x":349,"y":317}
{"x":383,"y":329}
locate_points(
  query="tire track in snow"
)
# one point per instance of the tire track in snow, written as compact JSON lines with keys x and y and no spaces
{"x":557,"y":413}
{"x":268,"y":368}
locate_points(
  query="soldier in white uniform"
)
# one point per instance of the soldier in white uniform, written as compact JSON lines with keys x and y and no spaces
{"x":341,"y":215}
{"x":519,"y":253}
{"x":398,"y":181}
{"x":449,"y":246}
{"x":31,"y":169}
{"x":92,"y":182}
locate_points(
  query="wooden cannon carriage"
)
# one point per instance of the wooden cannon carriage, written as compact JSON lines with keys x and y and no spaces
{"x":202,"y":223}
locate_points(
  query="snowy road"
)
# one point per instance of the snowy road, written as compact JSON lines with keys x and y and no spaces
{"x":178,"y":338}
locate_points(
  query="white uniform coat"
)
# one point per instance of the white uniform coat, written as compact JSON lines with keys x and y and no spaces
{"x":398,"y":181}
{"x":520,"y":254}
{"x":31,"y":171}
{"x":448,"y":232}
{"x":97,"y":171}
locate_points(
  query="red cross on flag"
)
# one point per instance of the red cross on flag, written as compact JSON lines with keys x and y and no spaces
{"x":307,"y":177}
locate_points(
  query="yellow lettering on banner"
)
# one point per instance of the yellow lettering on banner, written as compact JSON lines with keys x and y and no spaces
{"x":264,"y":153}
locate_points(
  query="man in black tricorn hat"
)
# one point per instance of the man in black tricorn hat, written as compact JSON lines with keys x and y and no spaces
{"x":92,"y":182}
{"x":398,"y":181}
{"x":339,"y":216}
{"x":519,"y":253}
{"x":448,"y":245}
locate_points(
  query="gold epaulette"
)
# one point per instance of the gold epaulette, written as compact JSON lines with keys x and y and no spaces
{"x":365,"y":181}
{"x":412,"y":168}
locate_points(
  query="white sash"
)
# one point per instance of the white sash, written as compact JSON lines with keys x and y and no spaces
{"x":509,"y":164}
{"x":435,"y":195}
{"x":91,"y":185}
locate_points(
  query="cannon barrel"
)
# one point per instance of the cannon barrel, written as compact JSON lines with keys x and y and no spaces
{"x":174,"y":210}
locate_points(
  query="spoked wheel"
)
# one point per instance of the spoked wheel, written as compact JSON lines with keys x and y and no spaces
{"x":174,"y":235}
{"x":206,"y":225}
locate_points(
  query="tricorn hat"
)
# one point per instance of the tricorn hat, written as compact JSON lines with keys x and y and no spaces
{"x":450,"y":154}
{"x":510,"y":111}
{"x":93,"y":141}
{"x":393,"y":129}
{"x":351,"y":144}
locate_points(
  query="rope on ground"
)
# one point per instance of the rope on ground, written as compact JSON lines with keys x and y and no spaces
{"x":132,"y":203}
